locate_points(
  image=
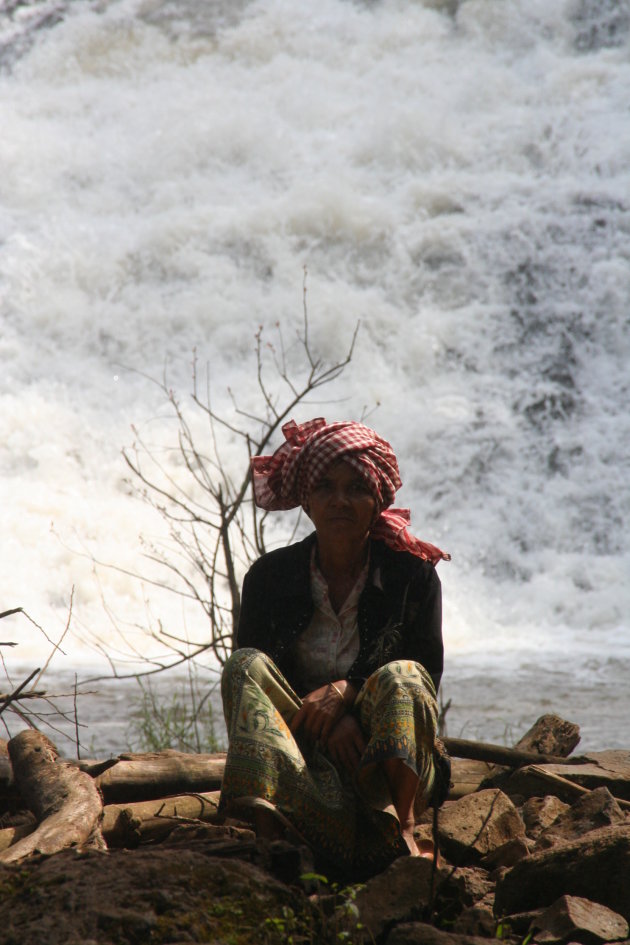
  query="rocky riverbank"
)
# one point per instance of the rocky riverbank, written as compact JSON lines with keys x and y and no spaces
{"x":528,"y":853}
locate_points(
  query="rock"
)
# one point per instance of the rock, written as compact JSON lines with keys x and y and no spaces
{"x":538,"y":813}
{"x":478,"y":824}
{"x":461,"y":889}
{"x":476,"y":920}
{"x":518,"y":923}
{"x":596,"y":809}
{"x":507,"y":854}
{"x":573,"y":919}
{"x":414,"y":933}
{"x":594,"y":867}
{"x":609,"y":769}
{"x":468,"y":883}
{"x":550,"y":735}
{"x":402,"y":892}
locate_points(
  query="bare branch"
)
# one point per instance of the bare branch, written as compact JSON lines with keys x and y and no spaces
{"x":203,"y":496}
{"x":16,"y":692}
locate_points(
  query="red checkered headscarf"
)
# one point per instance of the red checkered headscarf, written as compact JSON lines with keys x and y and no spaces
{"x":285,"y":479}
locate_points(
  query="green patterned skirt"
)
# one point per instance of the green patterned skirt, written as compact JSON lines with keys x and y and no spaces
{"x":348,"y":821}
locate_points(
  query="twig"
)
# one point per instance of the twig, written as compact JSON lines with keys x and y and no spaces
{"x":76,"y":719}
{"x":7,"y":613}
{"x":57,"y":646}
{"x":16,"y":692}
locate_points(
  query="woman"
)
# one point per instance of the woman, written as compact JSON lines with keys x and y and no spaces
{"x":330,"y":696}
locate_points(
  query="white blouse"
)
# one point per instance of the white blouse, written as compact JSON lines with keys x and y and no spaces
{"x":328,"y":647}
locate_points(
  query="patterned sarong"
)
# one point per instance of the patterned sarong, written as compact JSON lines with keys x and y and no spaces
{"x":349,"y":821}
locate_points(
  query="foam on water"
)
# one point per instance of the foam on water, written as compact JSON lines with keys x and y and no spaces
{"x":454,"y":174}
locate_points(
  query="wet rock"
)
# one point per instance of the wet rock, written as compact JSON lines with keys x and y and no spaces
{"x":538,"y":813}
{"x":590,"y":812}
{"x":573,"y":919}
{"x":478,"y":824}
{"x":594,"y":867}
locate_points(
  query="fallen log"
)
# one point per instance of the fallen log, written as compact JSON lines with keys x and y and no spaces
{"x":65,"y":801}
{"x":127,"y":825}
{"x":142,"y":777}
{"x":9,"y":836}
{"x":500,"y":755}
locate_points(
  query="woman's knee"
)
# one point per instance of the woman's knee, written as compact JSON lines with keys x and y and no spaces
{"x":239,"y":663}
{"x":400,"y":674}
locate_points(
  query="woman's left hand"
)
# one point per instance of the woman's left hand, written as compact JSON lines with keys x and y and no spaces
{"x":319,"y":712}
{"x":346,"y":743}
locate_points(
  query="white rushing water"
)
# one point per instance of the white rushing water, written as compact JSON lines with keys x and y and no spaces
{"x":456,"y":175}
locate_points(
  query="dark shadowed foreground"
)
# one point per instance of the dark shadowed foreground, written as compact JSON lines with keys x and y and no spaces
{"x":529,"y":851}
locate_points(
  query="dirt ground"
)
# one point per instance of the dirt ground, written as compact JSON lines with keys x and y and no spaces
{"x":173,"y":892}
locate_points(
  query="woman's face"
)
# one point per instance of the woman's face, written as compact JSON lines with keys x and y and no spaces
{"x":341,"y":503}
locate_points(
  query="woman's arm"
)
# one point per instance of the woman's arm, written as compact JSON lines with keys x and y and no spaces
{"x":252,"y":619}
{"x":424,"y":630}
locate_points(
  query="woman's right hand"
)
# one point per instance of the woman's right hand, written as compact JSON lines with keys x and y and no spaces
{"x":346,"y":743}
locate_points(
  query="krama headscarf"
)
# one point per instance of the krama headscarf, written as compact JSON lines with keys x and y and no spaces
{"x":285,"y":479}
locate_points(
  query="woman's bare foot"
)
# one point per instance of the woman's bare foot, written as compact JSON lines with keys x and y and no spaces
{"x":426,"y":849}
{"x":418,"y":846}
{"x":267,"y":825}
{"x":410,"y":840}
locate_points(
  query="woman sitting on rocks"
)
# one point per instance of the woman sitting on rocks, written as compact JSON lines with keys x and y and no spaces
{"x":330,"y":696}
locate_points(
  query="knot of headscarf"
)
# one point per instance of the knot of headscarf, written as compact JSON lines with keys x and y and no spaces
{"x":285,"y":479}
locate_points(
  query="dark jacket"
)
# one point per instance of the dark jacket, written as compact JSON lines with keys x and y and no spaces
{"x":403,"y":620}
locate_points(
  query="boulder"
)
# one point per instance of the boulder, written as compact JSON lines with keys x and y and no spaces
{"x":609,"y":769}
{"x":574,"y":919}
{"x":401,"y":893}
{"x":538,"y":813}
{"x":594,"y":867}
{"x":508,"y":853}
{"x":476,"y":920}
{"x":462,"y":889}
{"x":590,"y":812}
{"x":550,"y":735}
{"x":478,"y":824}
{"x":414,"y":933}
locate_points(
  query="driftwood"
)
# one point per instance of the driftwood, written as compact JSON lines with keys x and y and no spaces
{"x":497,"y":754}
{"x":549,"y":741}
{"x":127,"y":825}
{"x":64,"y":800}
{"x":142,"y":777}
{"x":478,"y":764}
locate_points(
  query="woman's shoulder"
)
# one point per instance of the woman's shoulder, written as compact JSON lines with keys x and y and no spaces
{"x":403,"y":565}
{"x":279,"y":560}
